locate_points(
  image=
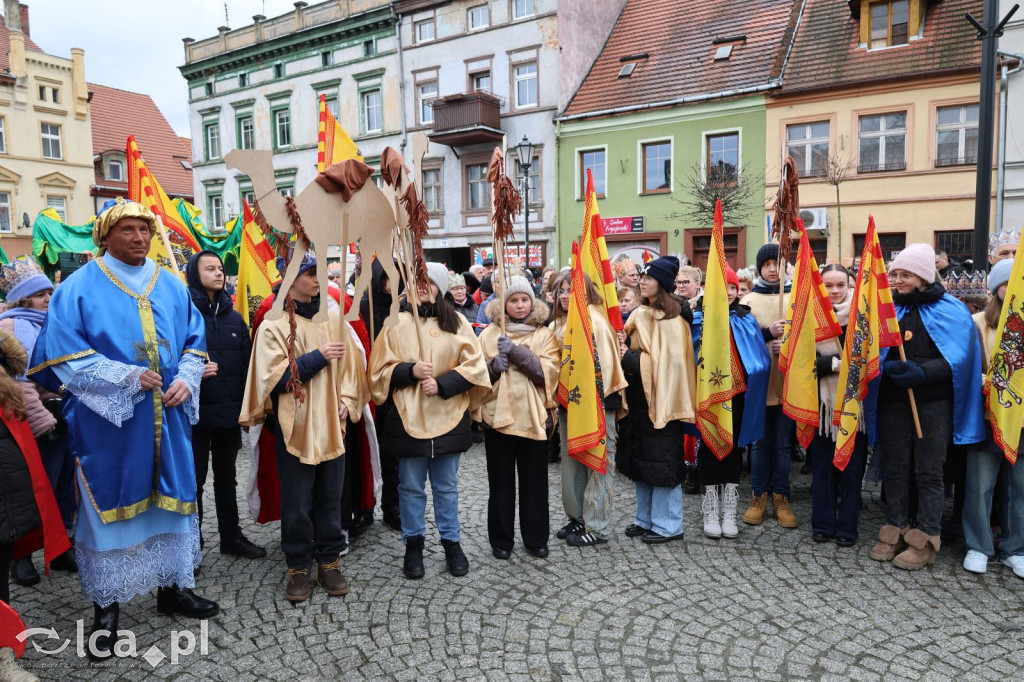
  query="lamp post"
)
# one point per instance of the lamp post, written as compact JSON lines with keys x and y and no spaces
{"x":524,"y":150}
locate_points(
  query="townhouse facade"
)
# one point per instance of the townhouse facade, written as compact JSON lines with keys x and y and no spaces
{"x":1009,"y":213}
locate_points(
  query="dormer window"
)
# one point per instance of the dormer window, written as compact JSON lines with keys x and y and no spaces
{"x":890,"y":23}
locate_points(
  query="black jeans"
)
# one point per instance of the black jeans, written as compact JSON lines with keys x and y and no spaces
{"x":927,"y":455}
{"x":713,"y":471}
{"x":835,"y":494}
{"x":353,"y":483}
{"x":6,"y":549}
{"x":224,"y":444}
{"x":505,"y":455}
{"x":388,"y":464}
{"x":59,"y":463}
{"x":310,"y":509}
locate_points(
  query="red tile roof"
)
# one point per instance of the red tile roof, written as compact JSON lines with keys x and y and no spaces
{"x":116,"y":114}
{"x":679,"y":39}
{"x":5,"y":45}
{"x":827,"y":51}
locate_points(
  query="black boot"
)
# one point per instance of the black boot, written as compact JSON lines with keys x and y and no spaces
{"x":65,"y":562}
{"x":361,"y":523}
{"x":170,"y":600}
{"x":413,"y":565}
{"x":104,"y":619}
{"x":239,"y":545}
{"x":393,"y":519}
{"x":24,"y":572}
{"x":456,"y":559}
{"x":692,"y":484}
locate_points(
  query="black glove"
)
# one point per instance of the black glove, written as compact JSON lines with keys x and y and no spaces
{"x":499,"y":363}
{"x":908,"y":375}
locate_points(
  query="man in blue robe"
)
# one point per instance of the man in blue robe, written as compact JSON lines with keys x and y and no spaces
{"x":127,"y":348}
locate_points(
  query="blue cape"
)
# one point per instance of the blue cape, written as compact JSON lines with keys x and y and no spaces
{"x":950,"y":325}
{"x":746,"y":334}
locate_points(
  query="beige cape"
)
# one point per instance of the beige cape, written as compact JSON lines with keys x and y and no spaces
{"x":765,"y":308}
{"x":667,"y":364}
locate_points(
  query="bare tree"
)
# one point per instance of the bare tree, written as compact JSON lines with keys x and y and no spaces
{"x":738,"y":191}
{"x":833,"y":168}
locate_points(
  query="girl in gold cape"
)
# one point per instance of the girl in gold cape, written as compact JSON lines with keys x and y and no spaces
{"x":523,"y":367}
{"x":660,"y":365}
{"x":309,"y":427}
{"x":429,"y":371}
{"x":587,"y":494}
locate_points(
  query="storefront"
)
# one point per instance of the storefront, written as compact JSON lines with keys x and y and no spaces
{"x":628,"y":236}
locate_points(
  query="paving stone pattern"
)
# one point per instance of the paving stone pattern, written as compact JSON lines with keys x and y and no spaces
{"x":770,"y":605}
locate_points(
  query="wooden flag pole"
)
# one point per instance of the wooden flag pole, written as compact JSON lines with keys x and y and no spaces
{"x":913,"y":402}
{"x":344,"y":263}
{"x":167,"y":243}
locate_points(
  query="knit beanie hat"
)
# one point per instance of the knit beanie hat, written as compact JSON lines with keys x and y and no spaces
{"x":663,"y":269}
{"x":999,"y":275}
{"x":917,"y":259}
{"x":766,"y":253}
{"x":487,"y":285}
{"x":731,"y":277}
{"x":456,"y":280}
{"x":519,"y":285}
{"x":438,"y":274}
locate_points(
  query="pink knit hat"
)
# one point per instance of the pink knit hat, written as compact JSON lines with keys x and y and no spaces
{"x":917,"y":259}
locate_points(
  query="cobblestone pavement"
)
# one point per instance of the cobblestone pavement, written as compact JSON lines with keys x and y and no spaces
{"x":770,"y":605}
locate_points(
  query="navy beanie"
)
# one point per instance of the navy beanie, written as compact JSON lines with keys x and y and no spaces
{"x":766,"y":253}
{"x":663,"y":269}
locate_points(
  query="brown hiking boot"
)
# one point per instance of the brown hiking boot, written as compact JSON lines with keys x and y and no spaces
{"x":890,"y":543}
{"x":756,"y":511}
{"x":920,"y":553}
{"x":329,"y":576}
{"x":782,"y":511}
{"x":298,"y":588}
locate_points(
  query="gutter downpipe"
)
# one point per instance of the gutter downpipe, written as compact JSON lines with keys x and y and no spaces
{"x":401,"y":82}
{"x":1004,"y":84}
{"x":692,"y":99}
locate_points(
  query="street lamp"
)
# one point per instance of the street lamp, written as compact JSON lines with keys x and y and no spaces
{"x":524,"y":150}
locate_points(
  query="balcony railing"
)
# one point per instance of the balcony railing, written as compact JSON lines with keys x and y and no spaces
{"x":467,"y":118}
{"x":882,"y":167}
{"x":945,"y":161}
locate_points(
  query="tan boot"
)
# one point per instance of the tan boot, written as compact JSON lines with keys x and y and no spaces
{"x":782,"y":511}
{"x":920,"y":553}
{"x":756,"y":511}
{"x":890,"y":543}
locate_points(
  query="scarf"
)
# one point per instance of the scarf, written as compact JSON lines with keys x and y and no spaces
{"x":828,"y":385}
{"x":763,"y":287}
{"x":28,"y":322}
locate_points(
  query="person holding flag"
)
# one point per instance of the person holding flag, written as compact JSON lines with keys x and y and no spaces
{"x":943,"y":367}
{"x":523,"y":365}
{"x":1002,"y":340}
{"x":657,"y":357}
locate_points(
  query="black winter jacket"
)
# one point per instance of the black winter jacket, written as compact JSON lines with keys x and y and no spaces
{"x":381,"y":301}
{"x":229,"y":345}
{"x":920,"y":348}
{"x":18,"y":512}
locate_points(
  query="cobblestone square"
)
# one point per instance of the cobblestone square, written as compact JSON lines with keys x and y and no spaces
{"x":771,"y":605}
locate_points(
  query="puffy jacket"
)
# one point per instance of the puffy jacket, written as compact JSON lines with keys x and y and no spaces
{"x":18,"y":512}
{"x":469,"y":309}
{"x":920,"y":348}
{"x":229,"y":345}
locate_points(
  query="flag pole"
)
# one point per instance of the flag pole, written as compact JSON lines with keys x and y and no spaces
{"x":167,"y":243}
{"x":913,"y":402}
{"x":344,"y":263}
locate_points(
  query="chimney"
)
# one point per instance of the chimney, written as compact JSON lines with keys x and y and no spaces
{"x":24,"y":19}
{"x":12,"y":15}
{"x":16,"y":56}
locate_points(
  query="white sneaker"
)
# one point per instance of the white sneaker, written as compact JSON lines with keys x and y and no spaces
{"x":975,"y":562}
{"x":730,"y":500}
{"x":1015,"y":562}
{"x":712,"y":527}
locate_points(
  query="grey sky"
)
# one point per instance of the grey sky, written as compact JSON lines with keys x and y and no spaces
{"x":136,"y":44}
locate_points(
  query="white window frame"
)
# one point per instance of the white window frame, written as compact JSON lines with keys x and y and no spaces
{"x":59,"y":203}
{"x":211,"y":131}
{"x":517,"y":79}
{"x":52,"y":139}
{"x":242,"y":120}
{"x":478,"y":74}
{"x":287,"y":129}
{"x":808,"y":142}
{"x":423,"y":109}
{"x":215,"y":204}
{"x":961,"y":127}
{"x":332,"y":106}
{"x":438,"y":188}
{"x":529,"y":9}
{"x":482,"y":182}
{"x":6,"y":211}
{"x":365,"y":105}
{"x":425,"y":22}
{"x":882,"y":134}
{"x":3,"y":135}
{"x":115,"y":163}
{"x":473,"y":13}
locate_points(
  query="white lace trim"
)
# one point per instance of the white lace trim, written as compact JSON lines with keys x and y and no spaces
{"x":190,"y":370}
{"x":109,"y":388}
{"x":120,"y":574}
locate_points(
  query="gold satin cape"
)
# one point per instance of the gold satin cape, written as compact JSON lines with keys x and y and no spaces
{"x":667,"y":365}
{"x":426,"y":416}
{"x":606,"y":342}
{"x":515,"y":405}
{"x":765,"y":308}
{"x":320,"y":436}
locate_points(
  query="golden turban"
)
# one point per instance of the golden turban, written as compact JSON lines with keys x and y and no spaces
{"x":113,"y":212}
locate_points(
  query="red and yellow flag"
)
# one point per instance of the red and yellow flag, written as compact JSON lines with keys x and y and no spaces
{"x":580,"y":384}
{"x":596,"y":263}
{"x":144,"y":188}
{"x":257,"y":266}
{"x":873,"y":325}
{"x":333,"y":144}
{"x":810,"y":319}
{"x":1004,"y":381}
{"x":719,"y":372}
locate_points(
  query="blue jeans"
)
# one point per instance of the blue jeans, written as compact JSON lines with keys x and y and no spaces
{"x":659,"y":509}
{"x":835,"y":494}
{"x":983,"y":465}
{"x":770,"y":456}
{"x":412,"y":495}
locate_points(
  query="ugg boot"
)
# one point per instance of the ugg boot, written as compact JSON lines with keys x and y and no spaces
{"x":9,"y":669}
{"x":890,"y":543}
{"x":712,"y":527}
{"x":920,"y":553}
{"x":730,"y":501}
{"x":782,"y":511}
{"x":756,"y":511}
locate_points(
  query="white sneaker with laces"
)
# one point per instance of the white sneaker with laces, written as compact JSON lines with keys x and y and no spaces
{"x":975,"y":562}
{"x":1015,"y":562}
{"x":712,"y":525}
{"x":730,"y":500}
